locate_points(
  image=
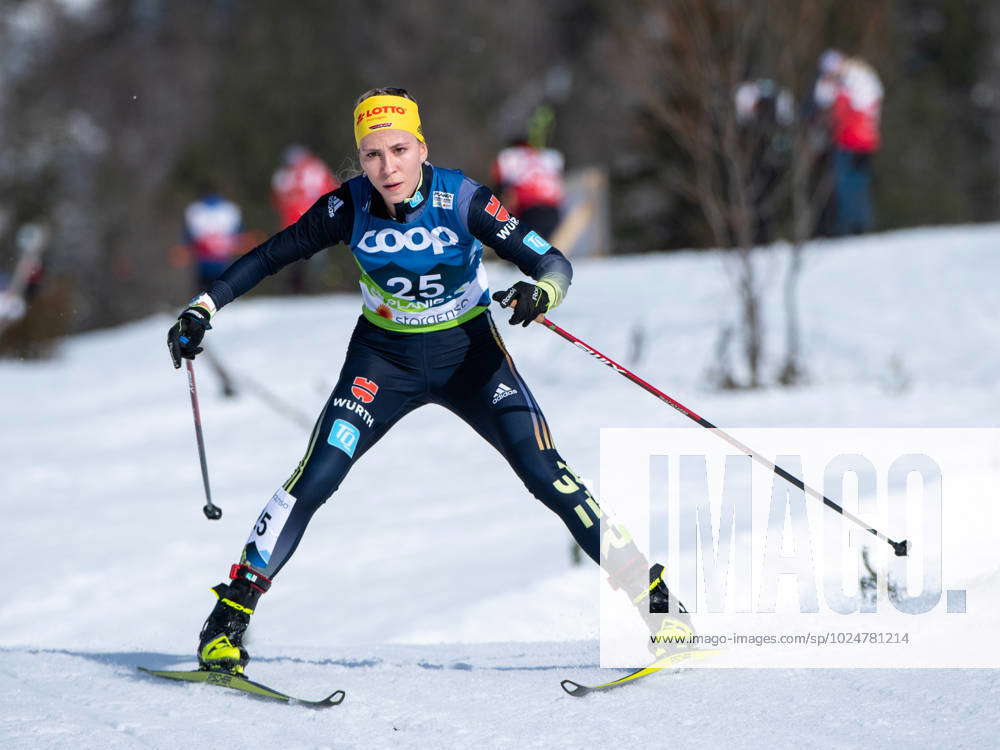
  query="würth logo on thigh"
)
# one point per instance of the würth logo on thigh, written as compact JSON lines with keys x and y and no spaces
{"x":364,"y":390}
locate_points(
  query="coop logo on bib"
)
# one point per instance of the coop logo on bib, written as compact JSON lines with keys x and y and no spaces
{"x":391,"y":240}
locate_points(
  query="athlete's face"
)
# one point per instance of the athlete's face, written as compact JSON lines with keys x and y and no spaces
{"x":392,"y":161}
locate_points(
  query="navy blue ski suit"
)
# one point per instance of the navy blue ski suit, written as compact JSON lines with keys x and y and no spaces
{"x":425,"y":336}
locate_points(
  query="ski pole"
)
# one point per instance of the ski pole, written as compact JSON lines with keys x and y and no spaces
{"x":267,"y":396}
{"x":899,"y":548}
{"x":212,"y":511}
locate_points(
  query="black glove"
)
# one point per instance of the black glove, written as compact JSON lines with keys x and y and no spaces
{"x":186,"y":334}
{"x":529,"y":300}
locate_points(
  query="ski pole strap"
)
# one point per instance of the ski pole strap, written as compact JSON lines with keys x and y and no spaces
{"x":256,"y":579}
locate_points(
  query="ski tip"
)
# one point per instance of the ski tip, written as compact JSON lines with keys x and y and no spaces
{"x":334,"y":699}
{"x":574,"y":688}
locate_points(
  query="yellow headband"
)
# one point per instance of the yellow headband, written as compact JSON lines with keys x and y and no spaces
{"x":386,"y":113}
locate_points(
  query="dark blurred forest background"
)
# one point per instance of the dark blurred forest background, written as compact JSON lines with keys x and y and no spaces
{"x":113,"y":113}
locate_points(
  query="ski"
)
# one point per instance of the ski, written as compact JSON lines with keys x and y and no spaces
{"x":577,"y":690}
{"x":236,"y":682}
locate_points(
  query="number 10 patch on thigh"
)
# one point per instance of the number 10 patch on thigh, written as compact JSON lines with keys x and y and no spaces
{"x":345,"y":436}
{"x":269,"y":525}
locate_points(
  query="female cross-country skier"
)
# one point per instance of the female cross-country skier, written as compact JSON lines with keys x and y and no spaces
{"x":425,"y":336}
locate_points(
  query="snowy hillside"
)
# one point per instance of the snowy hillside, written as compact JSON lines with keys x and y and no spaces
{"x":432,"y":587}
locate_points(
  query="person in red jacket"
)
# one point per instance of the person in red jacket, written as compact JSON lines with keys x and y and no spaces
{"x":301,"y":179}
{"x":529,"y":176}
{"x":529,"y":179}
{"x":850,"y":92}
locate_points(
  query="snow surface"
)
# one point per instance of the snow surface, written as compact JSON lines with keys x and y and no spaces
{"x":432,"y":587}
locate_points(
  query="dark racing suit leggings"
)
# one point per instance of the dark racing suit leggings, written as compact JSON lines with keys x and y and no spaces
{"x":386,"y":375}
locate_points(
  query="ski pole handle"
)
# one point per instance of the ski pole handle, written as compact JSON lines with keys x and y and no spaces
{"x":212,"y":511}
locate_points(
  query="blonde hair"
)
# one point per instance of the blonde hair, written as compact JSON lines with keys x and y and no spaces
{"x":384,"y":91}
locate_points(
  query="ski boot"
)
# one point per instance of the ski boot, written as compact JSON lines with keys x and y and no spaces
{"x":220,"y":645}
{"x":673,"y":631}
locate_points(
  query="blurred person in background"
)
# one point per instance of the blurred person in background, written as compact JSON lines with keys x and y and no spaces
{"x":425,"y":335}
{"x":213,"y":229}
{"x":213,"y":236}
{"x":765,"y":112}
{"x":850,"y":92}
{"x":19,"y":287}
{"x":296,"y":185}
{"x":529,"y":177}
